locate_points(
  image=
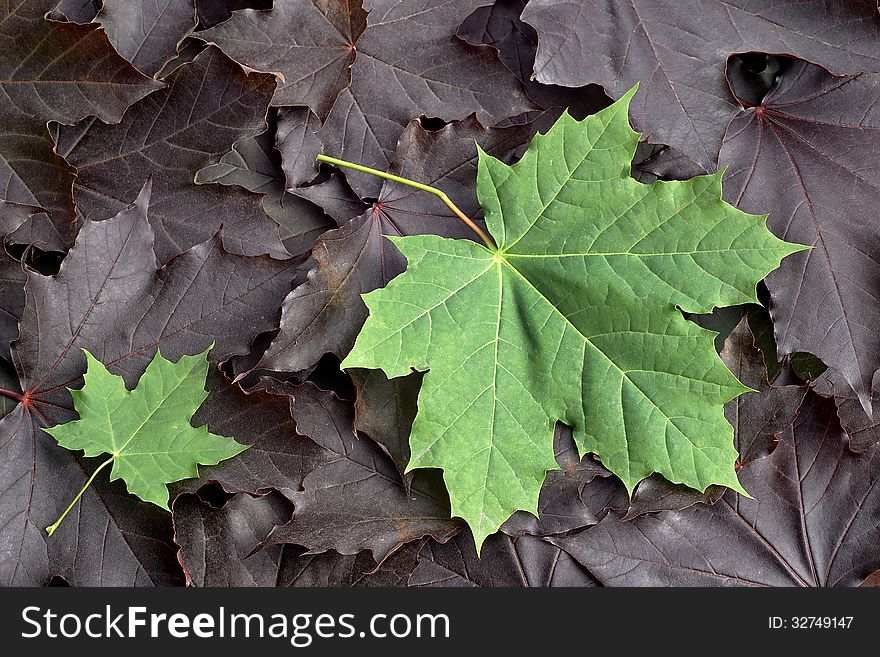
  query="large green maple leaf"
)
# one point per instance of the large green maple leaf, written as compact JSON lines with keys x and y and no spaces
{"x":575,"y":317}
{"x":146,"y":431}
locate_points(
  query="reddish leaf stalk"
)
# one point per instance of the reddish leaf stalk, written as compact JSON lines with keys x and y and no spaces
{"x":12,"y":394}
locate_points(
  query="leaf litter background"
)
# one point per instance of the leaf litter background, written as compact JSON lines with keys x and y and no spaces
{"x":157,"y":190}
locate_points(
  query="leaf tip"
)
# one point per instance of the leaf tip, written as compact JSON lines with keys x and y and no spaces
{"x":631,"y":92}
{"x":479,"y":539}
{"x":738,"y":488}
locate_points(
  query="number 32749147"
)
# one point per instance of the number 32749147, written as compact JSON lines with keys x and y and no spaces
{"x":810,"y":622}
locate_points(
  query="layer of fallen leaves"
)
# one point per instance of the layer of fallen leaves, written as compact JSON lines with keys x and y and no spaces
{"x":158,"y":191}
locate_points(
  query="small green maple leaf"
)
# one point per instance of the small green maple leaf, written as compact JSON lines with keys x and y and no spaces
{"x":576,"y":317}
{"x":147,"y":430}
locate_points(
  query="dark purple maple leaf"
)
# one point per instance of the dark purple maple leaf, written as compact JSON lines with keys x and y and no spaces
{"x":299,"y":141}
{"x":657,"y":494}
{"x":255,"y":164}
{"x":354,"y":500}
{"x":503,"y":561}
{"x":757,"y":417}
{"x":498,"y":25}
{"x":209,"y":104}
{"x":384,"y":410}
{"x":54,"y":71}
{"x":410,"y":63}
{"x":813,"y":522}
{"x":146,"y":32}
{"x":216,"y":544}
{"x":678,"y":50}
{"x":12,"y":274}
{"x":311,"y":43}
{"x":332,"y":193}
{"x":401,"y":62}
{"x":34,"y":227}
{"x":21,"y":226}
{"x":279,"y":457}
{"x":659,"y":161}
{"x":807,"y":152}
{"x":349,"y":570}
{"x":112,"y":298}
{"x":863,"y":429}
